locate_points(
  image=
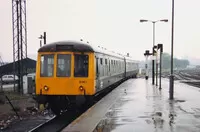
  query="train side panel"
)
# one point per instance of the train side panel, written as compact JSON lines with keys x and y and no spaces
{"x":131,"y":68}
{"x":109,"y":70}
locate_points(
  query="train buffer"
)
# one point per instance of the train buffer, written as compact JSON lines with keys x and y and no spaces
{"x":136,"y":105}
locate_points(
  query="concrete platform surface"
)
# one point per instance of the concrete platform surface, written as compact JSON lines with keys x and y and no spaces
{"x":137,"y":106}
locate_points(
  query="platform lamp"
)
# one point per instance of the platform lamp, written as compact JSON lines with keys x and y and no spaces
{"x":154,"y":22}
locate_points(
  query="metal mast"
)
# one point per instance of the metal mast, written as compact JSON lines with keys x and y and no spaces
{"x":19,"y":39}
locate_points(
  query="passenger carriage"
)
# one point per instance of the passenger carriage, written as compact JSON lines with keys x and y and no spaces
{"x":71,"y":72}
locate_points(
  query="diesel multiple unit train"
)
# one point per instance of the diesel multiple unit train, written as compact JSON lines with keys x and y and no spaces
{"x":70,"y":72}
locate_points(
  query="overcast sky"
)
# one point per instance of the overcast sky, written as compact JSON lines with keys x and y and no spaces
{"x":113,"y":24}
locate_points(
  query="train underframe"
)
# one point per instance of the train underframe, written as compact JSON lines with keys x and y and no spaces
{"x":61,"y":103}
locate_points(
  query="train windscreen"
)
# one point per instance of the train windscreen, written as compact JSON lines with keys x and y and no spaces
{"x":46,"y":65}
{"x":63,"y":65}
{"x":81,"y":65}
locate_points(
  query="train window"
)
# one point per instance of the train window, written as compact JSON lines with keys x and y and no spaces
{"x":63,"y":65}
{"x":101,"y":61}
{"x":81,"y":65}
{"x":46,"y":65}
{"x":106,"y":61}
{"x":111,"y":62}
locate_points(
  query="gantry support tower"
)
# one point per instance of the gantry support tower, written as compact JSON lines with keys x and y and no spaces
{"x":19,"y":39}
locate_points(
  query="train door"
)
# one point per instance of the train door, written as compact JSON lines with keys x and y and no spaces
{"x":109,"y":67}
{"x":97,"y":74}
{"x":97,"y":68}
{"x":124,"y":67}
{"x":83,"y":73}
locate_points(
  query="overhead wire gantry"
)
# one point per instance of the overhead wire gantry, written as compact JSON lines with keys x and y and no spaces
{"x":19,"y":40}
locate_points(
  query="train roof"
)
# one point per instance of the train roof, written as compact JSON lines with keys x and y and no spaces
{"x":77,"y":46}
{"x":129,"y":58}
{"x":73,"y":46}
{"x":102,"y":50}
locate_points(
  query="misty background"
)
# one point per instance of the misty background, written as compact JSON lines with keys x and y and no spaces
{"x":113,"y":24}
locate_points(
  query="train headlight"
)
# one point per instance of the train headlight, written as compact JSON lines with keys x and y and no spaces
{"x":46,"y":88}
{"x":81,"y":88}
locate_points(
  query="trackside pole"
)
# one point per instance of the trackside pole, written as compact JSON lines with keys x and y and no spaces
{"x":146,"y":68}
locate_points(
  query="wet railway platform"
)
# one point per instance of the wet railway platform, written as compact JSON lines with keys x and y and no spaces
{"x":138,"y":106}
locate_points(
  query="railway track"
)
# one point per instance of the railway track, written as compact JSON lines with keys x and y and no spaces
{"x":57,"y":123}
{"x":190,"y":77}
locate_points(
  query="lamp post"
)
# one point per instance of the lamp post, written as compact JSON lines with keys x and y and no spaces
{"x":171,"y":89}
{"x":154,"y":22}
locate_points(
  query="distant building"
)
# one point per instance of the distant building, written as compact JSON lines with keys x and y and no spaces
{"x":29,"y":66}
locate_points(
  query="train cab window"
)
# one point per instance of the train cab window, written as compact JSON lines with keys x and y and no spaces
{"x":63,"y":65}
{"x":46,"y":65}
{"x":81,"y":65}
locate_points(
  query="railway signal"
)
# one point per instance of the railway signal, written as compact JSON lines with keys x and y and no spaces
{"x":160,"y":46}
{"x":155,"y":50}
{"x":42,"y":37}
{"x":155,"y":53}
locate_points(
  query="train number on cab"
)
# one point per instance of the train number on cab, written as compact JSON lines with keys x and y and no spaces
{"x":82,"y":81}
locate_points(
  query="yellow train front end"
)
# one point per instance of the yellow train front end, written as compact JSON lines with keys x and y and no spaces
{"x":64,"y":72}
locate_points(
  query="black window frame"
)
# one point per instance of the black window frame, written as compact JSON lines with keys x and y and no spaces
{"x":75,"y":73}
{"x":69,"y":65}
{"x":46,"y":74}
